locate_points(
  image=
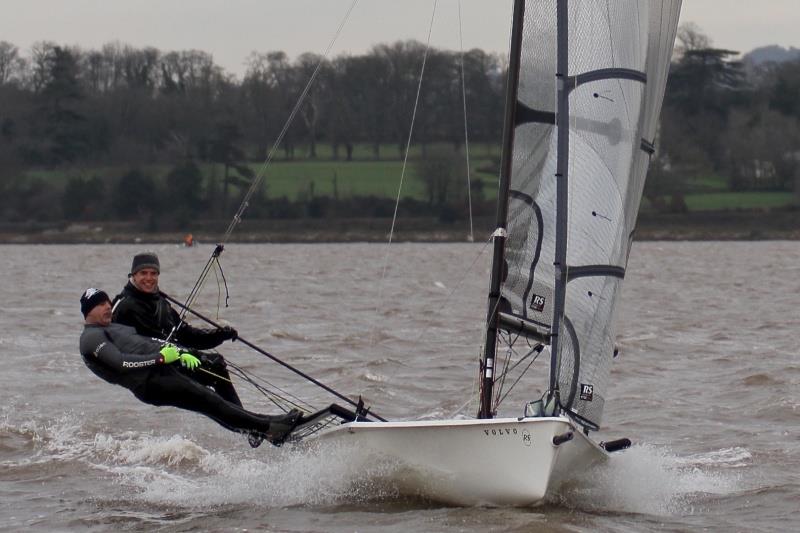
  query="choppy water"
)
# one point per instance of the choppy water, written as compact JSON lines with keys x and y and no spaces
{"x":706,"y":386}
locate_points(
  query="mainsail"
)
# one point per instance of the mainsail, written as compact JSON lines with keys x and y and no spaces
{"x":598,"y":68}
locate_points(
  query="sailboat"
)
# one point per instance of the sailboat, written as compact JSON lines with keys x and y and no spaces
{"x":586,"y":80}
{"x":586,"y":83}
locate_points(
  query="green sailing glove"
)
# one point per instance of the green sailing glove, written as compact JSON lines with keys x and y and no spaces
{"x":170,"y":354}
{"x":189,"y":361}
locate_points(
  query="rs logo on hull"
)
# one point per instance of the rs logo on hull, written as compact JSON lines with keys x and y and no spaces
{"x":509,"y":432}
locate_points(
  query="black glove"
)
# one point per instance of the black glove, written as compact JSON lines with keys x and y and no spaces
{"x":228,"y":333}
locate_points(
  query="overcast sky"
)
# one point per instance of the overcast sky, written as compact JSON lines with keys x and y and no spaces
{"x":231,"y":29}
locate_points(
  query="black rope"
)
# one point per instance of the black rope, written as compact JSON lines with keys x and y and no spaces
{"x":224,"y":281}
{"x":538,"y":349}
{"x":587,"y":424}
{"x":218,"y":272}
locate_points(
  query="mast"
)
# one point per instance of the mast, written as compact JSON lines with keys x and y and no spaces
{"x":562,"y":204}
{"x":500,"y":235}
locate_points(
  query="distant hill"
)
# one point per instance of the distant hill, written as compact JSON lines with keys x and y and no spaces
{"x":772,"y":53}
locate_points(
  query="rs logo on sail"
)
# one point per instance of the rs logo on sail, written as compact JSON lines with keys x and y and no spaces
{"x":587,"y":392}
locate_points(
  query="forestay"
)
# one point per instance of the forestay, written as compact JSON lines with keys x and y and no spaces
{"x":618,"y":57}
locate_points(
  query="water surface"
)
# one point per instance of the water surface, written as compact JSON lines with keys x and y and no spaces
{"x":706,"y":386}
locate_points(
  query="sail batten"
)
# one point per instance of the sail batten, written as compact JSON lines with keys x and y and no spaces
{"x":606,"y":74}
{"x":591,"y":80}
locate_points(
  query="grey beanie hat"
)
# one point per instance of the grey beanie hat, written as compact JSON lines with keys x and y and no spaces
{"x":145,"y":260}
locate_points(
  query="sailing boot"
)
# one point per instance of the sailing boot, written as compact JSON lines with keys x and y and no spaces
{"x":255,"y":439}
{"x":281,"y":426}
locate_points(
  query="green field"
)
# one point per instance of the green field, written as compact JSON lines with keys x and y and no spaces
{"x":343,"y":180}
{"x":738,"y":200}
{"x":706,"y":184}
{"x":388,"y":152}
{"x":301,"y":179}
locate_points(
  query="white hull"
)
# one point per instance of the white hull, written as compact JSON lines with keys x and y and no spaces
{"x":501,"y":461}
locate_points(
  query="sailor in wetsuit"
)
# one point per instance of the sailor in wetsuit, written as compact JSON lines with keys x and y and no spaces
{"x":159,"y":373}
{"x":141,"y":306}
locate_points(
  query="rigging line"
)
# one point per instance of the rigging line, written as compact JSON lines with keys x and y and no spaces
{"x":252,"y":378}
{"x":219,"y":292}
{"x":239,"y":372}
{"x":457,"y":285}
{"x":201,"y":369}
{"x":270,"y":356}
{"x":259,"y":177}
{"x":237,"y":218}
{"x":466,"y":404}
{"x":533,"y":360}
{"x":269,"y":394}
{"x":444,"y":303}
{"x":473,"y":394}
{"x":274,"y":400}
{"x":466,"y":134}
{"x":405,"y":160}
{"x":538,"y":349}
{"x":505,"y":363}
{"x":198,"y":284}
{"x":218,"y":267}
{"x":468,"y":269}
{"x":508,"y":369}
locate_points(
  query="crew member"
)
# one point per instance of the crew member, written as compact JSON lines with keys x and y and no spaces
{"x":141,"y":306}
{"x":159,"y":373}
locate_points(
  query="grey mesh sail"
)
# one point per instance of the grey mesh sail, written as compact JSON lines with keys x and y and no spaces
{"x":617,"y":63}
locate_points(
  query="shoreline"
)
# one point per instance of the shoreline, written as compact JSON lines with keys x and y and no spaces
{"x":703,"y":226}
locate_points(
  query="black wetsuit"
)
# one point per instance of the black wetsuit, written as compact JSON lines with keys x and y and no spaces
{"x":152,"y":316}
{"x":119,"y":355}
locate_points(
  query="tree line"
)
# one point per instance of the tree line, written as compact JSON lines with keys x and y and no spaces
{"x":726,"y":118}
{"x":121,"y":104}
{"x":122,"y":107}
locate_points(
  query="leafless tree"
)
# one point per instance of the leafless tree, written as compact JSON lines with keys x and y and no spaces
{"x":12,"y":65}
{"x":690,"y":37}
